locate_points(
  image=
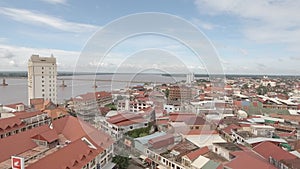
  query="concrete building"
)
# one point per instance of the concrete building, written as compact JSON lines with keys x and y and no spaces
{"x":42,"y":73}
{"x":87,"y":105}
{"x":123,"y":122}
{"x":67,"y":143}
{"x":180,"y":93}
{"x":190,"y":78}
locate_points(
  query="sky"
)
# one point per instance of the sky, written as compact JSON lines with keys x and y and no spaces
{"x":249,"y":36}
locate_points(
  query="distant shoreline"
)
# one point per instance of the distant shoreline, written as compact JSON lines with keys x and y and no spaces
{"x":23,"y":74}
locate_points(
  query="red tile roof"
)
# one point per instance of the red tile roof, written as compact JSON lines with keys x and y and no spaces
{"x":92,"y":96}
{"x":74,"y":155}
{"x":292,"y":163}
{"x":123,"y":117}
{"x":56,"y":112}
{"x":162,"y":122}
{"x":130,"y":122}
{"x":15,"y":122}
{"x":195,"y":154}
{"x":11,"y":122}
{"x":19,"y":143}
{"x":24,"y":115}
{"x":14,"y":106}
{"x":201,"y":132}
{"x":162,"y":141}
{"x":230,"y":127}
{"x":48,"y":136}
{"x":189,"y":119}
{"x":248,"y":160}
{"x":267,"y":149}
{"x":73,"y":128}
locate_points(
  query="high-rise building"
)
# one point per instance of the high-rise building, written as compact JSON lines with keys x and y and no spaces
{"x":42,"y":73}
{"x":190,"y":78}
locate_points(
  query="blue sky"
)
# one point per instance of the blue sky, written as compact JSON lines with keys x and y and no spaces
{"x":250,"y":36}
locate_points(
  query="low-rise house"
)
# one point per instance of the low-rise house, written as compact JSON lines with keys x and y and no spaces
{"x":247,"y":160}
{"x":273,"y":153}
{"x":199,"y":162}
{"x":189,"y":158}
{"x":262,"y":130}
{"x":87,"y":105}
{"x":123,"y":122}
{"x":142,"y":143}
{"x":161,"y":141}
{"x":135,"y":105}
{"x":224,"y":149}
{"x":191,"y":120}
{"x":204,"y":138}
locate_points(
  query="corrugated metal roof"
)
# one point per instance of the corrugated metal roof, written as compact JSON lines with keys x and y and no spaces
{"x":145,"y":139}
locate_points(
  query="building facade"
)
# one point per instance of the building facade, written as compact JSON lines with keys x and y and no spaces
{"x":42,"y":74}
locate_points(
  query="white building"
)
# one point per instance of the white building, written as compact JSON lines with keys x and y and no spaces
{"x":190,"y":78}
{"x":42,"y":73}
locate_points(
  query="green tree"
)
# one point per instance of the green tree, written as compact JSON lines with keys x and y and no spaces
{"x":112,"y":106}
{"x":245,"y":86}
{"x":167,"y":93}
{"x":121,"y":162}
{"x":262,"y":90}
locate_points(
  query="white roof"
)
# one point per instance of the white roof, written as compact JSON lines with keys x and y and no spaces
{"x":200,"y":162}
{"x":111,"y":113}
{"x":161,"y":167}
{"x":8,"y":109}
{"x":256,"y":120}
{"x":296,"y":153}
{"x":294,"y":112}
{"x":241,"y":96}
{"x":262,"y":126}
{"x":275,"y":101}
{"x":261,"y":139}
{"x":272,"y":118}
{"x":288,"y":102}
{"x":271,"y":99}
{"x":205,"y":139}
{"x":6,"y":115}
{"x":177,"y":124}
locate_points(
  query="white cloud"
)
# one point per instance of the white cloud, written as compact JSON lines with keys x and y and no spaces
{"x":40,"y":19}
{"x":56,"y":1}
{"x":263,"y":21}
{"x":67,"y":59}
{"x":202,"y":24}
